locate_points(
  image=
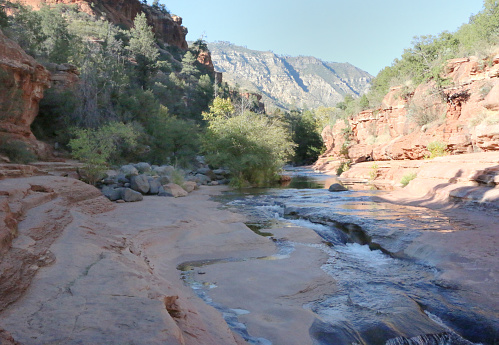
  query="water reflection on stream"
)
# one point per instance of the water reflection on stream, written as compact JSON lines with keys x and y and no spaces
{"x":381,"y":296}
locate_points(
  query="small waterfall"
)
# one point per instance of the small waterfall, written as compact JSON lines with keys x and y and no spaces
{"x":430,"y":339}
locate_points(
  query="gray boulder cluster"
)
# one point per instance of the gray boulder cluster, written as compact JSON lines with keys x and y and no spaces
{"x":132,"y":181}
{"x":202,"y":174}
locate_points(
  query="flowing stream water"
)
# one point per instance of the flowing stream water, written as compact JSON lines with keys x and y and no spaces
{"x":383,"y":296}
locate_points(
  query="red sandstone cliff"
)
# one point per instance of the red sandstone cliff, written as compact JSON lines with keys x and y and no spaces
{"x":466,"y":119}
{"x":168,"y":28}
{"x":22,"y":82}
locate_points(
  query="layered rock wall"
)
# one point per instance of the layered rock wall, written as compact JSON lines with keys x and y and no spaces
{"x":168,"y":28}
{"x":22,"y":82}
{"x":463,"y":117}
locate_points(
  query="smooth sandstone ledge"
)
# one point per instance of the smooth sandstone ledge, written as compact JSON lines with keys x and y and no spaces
{"x":94,"y":272}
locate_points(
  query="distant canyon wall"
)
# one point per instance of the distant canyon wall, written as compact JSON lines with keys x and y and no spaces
{"x":462,"y":117}
{"x":288,"y":82}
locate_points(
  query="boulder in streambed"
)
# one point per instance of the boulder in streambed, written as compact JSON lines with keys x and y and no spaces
{"x":140,"y":183}
{"x":129,"y":195}
{"x":164,"y":170}
{"x":174,"y":190}
{"x":189,"y":186}
{"x":154,"y":185}
{"x":143,"y":167}
{"x":208,"y":172}
{"x":129,"y":170}
{"x":202,"y":179}
{"x":337,"y":187}
{"x":111,"y":193}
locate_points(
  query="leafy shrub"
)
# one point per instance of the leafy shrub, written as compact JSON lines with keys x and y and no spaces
{"x":4,"y":20}
{"x":17,"y":151}
{"x":171,"y":139}
{"x":344,"y":149}
{"x":485,"y":90}
{"x":408,"y":178}
{"x":251,"y":145}
{"x":344,"y":166}
{"x":373,"y":172}
{"x":436,"y":148}
{"x":178,"y":177}
{"x":306,"y":136}
{"x":426,"y":109}
{"x":95,"y":147}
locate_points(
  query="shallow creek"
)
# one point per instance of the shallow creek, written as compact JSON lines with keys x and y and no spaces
{"x":384,"y":291}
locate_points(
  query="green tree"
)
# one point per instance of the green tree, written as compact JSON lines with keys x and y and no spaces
{"x":172,"y":140}
{"x":251,"y":145}
{"x":4,"y":19}
{"x":307,"y":138}
{"x":95,"y":147}
{"x":189,"y":68}
{"x":26,"y":29}
{"x":220,"y":108}
{"x":364,"y":102}
{"x":59,"y":42}
{"x":482,"y":29}
{"x":44,"y":33}
{"x":143,"y":47}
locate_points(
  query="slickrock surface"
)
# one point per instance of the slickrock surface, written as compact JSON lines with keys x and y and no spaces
{"x":78,"y":269}
{"x":91,"y":281}
{"x":470,"y":177}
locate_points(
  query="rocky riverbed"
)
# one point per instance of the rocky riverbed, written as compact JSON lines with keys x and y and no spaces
{"x":79,"y":269}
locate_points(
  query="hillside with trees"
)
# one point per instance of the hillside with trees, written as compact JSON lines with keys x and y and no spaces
{"x":122,"y":95}
{"x":440,"y":97}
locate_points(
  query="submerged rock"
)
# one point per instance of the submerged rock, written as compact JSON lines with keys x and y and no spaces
{"x":336,"y":187}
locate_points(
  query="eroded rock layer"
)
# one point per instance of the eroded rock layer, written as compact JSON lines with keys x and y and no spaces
{"x":462,"y":117}
{"x":91,"y":270}
{"x":168,"y":28}
{"x":22,"y":82}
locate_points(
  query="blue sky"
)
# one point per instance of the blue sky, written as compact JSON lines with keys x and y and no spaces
{"x":367,"y":33}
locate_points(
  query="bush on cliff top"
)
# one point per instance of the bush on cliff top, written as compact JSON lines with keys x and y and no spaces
{"x":426,"y":58}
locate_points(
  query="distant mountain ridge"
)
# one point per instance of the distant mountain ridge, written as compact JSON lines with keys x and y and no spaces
{"x":286,"y":82}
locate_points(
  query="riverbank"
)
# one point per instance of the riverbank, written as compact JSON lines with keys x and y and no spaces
{"x":466,"y":255}
{"x":83,"y":270}
{"x":88,"y":271}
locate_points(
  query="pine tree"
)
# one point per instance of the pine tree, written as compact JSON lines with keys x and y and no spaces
{"x":142,"y":40}
{"x":143,"y":47}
